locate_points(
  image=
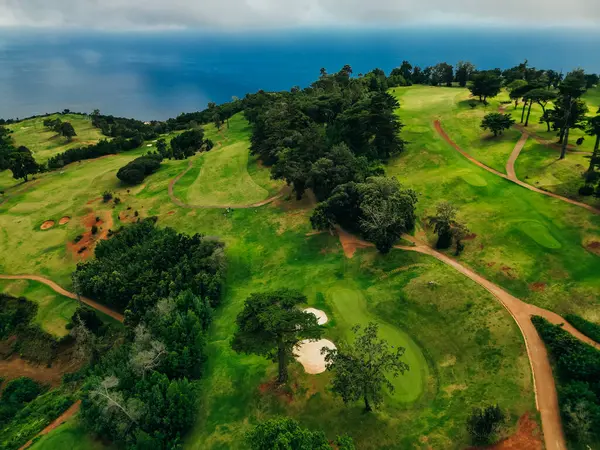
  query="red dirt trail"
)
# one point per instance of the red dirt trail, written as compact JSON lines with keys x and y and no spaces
{"x":544,"y":386}
{"x":444,"y":135}
{"x":51,"y":284}
{"x":73,"y":409}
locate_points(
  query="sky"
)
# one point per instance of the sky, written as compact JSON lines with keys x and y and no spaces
{"x":277,"y":14}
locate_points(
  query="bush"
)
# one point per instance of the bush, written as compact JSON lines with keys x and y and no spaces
{"x":15,"y":312}
{"x":586,"y":190}
{"x":78,"y":238}
{"x":135,"y":171}
{"x":484,"y":424}
{"x":106,"y":197}
{"x":94,"y":229}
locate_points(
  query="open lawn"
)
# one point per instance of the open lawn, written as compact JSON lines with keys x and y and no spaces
{"x":530,"y":244}
{"x":227,"y":175}
{"x":45,"y":143}
{"x":69,"y":436}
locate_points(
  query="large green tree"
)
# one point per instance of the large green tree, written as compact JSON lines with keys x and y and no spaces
{"x":272,"y":325}
{"x":573,"y":110}
{"x":485,"y":85}
{"x":497,"y":122}
{"x":361,"y":369}
{"x":464,"y":72}
{"x":22,"y":164}
{"x":593,"y":129}
{"x":67,"y":130}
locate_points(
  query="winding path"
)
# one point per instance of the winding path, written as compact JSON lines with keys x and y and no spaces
{"x":544,"y":387}
{"x":73,"y":409}
{"x":438,"y":127}
{"x":178,"y":202}
{"x":510,"y":164}
{"x":58,"y":289}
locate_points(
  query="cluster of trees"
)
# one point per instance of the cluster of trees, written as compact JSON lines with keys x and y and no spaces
{"x":142,"y":393}
{"x":214,"y":113}
{"x":272,"y":325}
{"x":126,"y":128}
{"x":135,"y":171}
{"x":332,"y":138}
{"x":578,"y":371}
{"x":439,"y":74}
{"x":16,"y":394}
{"x":19,"y":160}
{"x":446,"y":225}
{"x":285,"y":433}
{"x":62,"y":128}
{"x":484,"y":424}
{"x":186,"y":144}
{"x":590,"y":329}
{"x":102,"y":148}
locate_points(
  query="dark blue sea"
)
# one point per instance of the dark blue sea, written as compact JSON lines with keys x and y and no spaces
{"x":161,"y":74}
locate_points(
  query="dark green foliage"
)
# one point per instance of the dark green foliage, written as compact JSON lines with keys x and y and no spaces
{"x":151,"y":263}
{"x":464,"y":72}
{"x":89,"y":318}
{"x":6,"y":148}
{"x":497,"y":122}
{"x":485,"y":85}
{"x":190,"y":120}
{"x":361,"y":369}
{"x":287,"y":434}
{"x":590,"y":329}
{"x":16,"y":394}
{"x":14,"y":312}
{"x":187,"y":143}
{"x":102,"y":148}
{"x":379,"y":209}
{"x":35,"y":344}
{"x":577,"y":368}
{"x":107,"y":196}
{"x":484,"y":424}
{"x":94,"y":229}
{"x":135,"y":171}
{"x":32,"y":418}
{"x":119,"y":127}
{"x":67,"y":130}
{"x":271,"y":325}
{"x":22,"y":164}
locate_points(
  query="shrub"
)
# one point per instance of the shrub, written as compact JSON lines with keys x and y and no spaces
{"x":94,"y":229}
{"x":473,"y":104}
{"x":484,"y":424}
{"x":117,"y":200}
{"x":590,"y":329}
{"x":586,"y":190}
{"x":15,"y":312}
{"x":135,"y":171}
{"x":78,"y":238}
{"x":106,"y":197}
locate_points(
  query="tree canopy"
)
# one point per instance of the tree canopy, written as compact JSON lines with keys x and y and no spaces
{"x":135,"y":171}
{"x":272,"y":325}
{"x":497,"y":122}
{"x":485,"y":85}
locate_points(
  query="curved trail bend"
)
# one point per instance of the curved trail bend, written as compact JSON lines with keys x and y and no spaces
{"x":58,"y":289}
{"x":73,"y":409}
{"x":438,"y":127}
{"x":543,"y":380}
{"x":181,"y":204}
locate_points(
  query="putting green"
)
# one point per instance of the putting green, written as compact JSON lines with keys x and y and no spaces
{"x":539,"y":233}
{"x":350,"y":306}
{"x":223,"y":178}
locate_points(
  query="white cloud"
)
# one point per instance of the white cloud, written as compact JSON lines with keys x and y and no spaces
{"x":260,"y":14}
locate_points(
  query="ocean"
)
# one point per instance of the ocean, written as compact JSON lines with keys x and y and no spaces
{"x":161,"y":74}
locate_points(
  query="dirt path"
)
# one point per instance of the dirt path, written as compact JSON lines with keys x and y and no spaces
{"x":73,"y":409}
{"x":444,"y":135}
{"x":510,"y":164}
{"x":544,"y":386}
{"x":178,"y":202}
{"x":51,"y":284}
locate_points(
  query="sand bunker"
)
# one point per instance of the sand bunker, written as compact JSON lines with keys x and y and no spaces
{"x":64,"y":220}
{"x":308,"y":353}
{"x":321,"y":316}
{"x":47,"y":224}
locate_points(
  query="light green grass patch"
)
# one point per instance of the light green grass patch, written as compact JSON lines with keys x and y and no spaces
{"x":472,"y":178}
{"x":45,"y":143}
{"x":350,"y":306}
{"x":69,"y":436}
{"x":54,"y":310}
{"x":539,"y":233}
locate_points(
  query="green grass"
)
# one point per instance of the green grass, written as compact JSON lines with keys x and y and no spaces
{"x":69,"y":436}
{"x":495,"y":211}
{"x":54,"y":310}
{"x":45,"y":143}
{"x":227,"y":175}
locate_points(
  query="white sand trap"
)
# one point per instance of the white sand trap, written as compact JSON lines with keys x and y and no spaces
{"x":321,"y":316}
{"x":148,"y":145}
{"x":308,"y":353}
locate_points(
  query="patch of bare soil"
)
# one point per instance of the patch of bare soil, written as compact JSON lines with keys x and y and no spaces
{"x":128,"y":217}
{"x":527,"y":437}
{"x":47,"y":224}
{"x":469,"y":237}
{"x":83,"y":248}
{"x":64,"y":220}
{"x":594,"y":247}
{"x":351,"y":243}
{"x":538,"y":286}
{"x":277,"y":390}
{"x":170,"y":213}
{"x":15,"y":367}
{"x":89,"y":202}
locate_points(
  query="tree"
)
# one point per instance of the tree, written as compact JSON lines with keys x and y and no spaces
{"x":272,"y":325}
{"x":286,"y":434}
{"x":187,"y":143}
{"x":570,"y":90}
{"x":484,"y":423}
{"x":516,"y":90}
{"x":442,"y":73}
{"x":497,"y":122}
{"x":446,"y":226}
{"x":593,"y":129}
{"x":22,"y":164}
{"x":146,"y":352}
{"x":361,"y":369}
{"x":541,"y":97}
{"x":163,"y":149}
{"x":464,"y":71}
{"x":591,"y":80}
{"x":67,"y":130}
{"x":485,"y":85}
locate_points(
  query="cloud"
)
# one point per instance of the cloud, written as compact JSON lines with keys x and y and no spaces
{"x":267,"y":14}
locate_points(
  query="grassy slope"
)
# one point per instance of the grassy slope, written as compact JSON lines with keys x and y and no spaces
{"x":54,"y":310}
{"x":227,"y":175}
{"x":522,"y":237}
{"x":44,"y":143}
{"x":69,"y":436}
